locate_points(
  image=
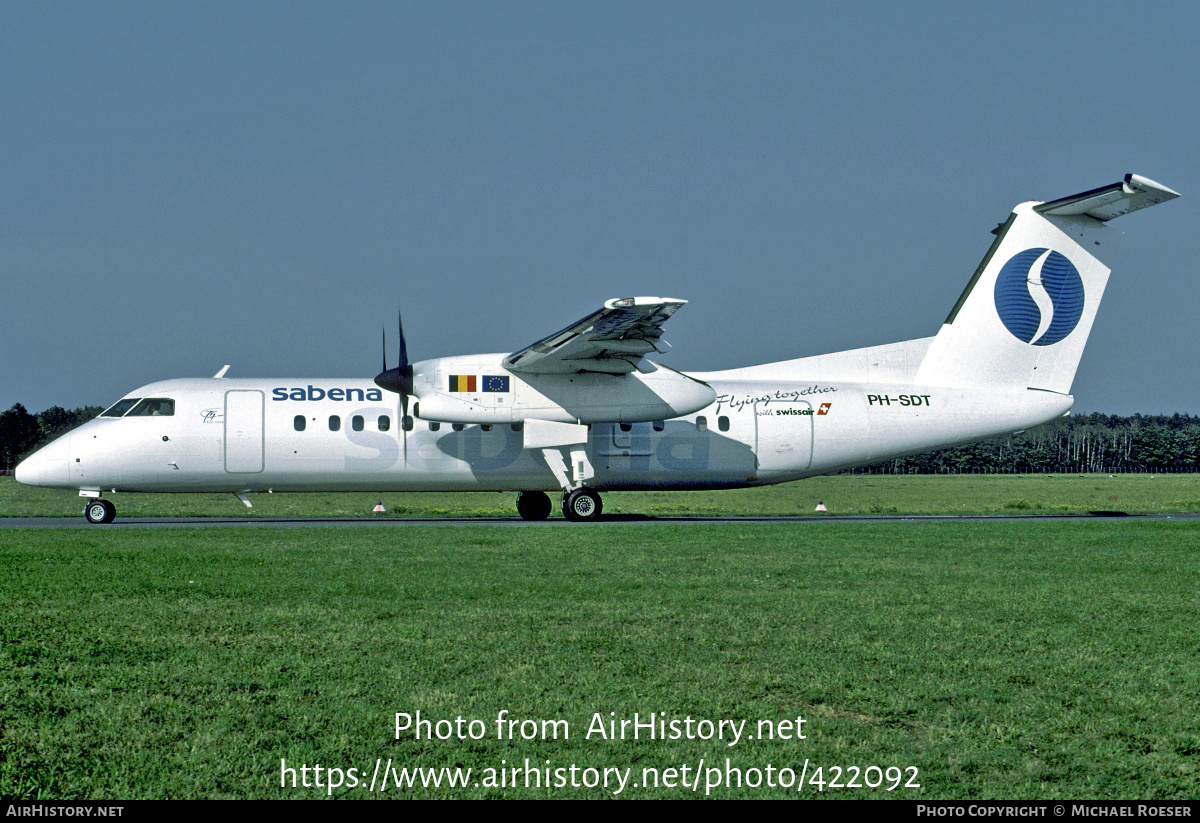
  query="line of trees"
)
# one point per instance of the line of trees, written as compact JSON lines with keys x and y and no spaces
{"x":1081,"y":443}
{"x":22,"y":432}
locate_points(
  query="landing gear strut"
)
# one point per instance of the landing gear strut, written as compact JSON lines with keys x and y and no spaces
{"x":533,"y":505}
{"x":99,"y":511}
{"x":582,"y":506}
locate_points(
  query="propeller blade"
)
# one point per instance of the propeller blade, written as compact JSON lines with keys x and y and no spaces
{"x":404,"y":418}
{"x":406,"y":371}
{"x":403,"y":345}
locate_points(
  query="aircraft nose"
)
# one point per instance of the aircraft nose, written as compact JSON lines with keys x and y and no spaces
{"x":46,"y":466}
{"x":29,"y":471}
{"x":24,"y":473}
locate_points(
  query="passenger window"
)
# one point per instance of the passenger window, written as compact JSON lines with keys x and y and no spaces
{"x":298,"y":422}
{"x":385,"y":422}
{"x":516,"y":427}
{"x":356,"y":422}
{"x":335,"y":423}
{"x":659,"y":425}
{"x":626,"y":427}
{"x":406,"y":423}
{"x":723,"y":423}
{"x":487,"y":427}
{"x":457,"y":426}
{"x":435,"y":427}
{"x":119,"y":408}
{"x":153,"y":407}
{"x":702,"y":424}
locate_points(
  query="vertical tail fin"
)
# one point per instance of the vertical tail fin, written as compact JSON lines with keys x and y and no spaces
{"x":1025,"y":316}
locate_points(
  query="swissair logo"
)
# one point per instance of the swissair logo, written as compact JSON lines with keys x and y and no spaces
{"x":824,"y":409}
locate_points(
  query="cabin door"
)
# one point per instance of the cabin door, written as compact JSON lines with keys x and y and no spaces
{"x":784,"y":436}
{"x":243,"y":432}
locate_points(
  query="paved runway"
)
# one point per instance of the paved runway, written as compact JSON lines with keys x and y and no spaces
{"x":617,"y":519}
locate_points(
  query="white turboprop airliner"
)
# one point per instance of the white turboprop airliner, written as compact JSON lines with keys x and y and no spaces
{"x":583,"y":411}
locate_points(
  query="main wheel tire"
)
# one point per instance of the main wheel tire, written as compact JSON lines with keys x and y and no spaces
{"x":99,"y":511}
{"x":534,"y":505}
{"x":582,"y":506}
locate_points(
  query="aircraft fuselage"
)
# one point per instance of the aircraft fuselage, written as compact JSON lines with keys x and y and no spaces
{"x":241,"y":435}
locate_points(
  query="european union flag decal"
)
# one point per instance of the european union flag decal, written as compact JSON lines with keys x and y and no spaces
{"x":495,"y":382}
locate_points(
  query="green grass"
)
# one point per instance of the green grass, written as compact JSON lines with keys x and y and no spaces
{"x":1003,"y":660}
{"x":842,"y":494}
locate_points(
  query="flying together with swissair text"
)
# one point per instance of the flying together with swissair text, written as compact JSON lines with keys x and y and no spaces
{"x":586,"y":410}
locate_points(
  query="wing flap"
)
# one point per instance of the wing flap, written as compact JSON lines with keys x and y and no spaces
{"x":612,"y":340}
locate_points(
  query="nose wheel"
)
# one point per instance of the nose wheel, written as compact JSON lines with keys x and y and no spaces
{"x":100,"y":511}
{"x":582,"y":506}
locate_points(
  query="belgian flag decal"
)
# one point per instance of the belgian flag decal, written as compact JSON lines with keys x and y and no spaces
{"x":462,"y":382}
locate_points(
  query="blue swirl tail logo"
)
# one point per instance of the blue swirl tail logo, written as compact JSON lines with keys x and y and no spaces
{"x":1039,"y":296}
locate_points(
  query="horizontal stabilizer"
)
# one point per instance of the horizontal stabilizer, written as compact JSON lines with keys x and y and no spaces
{"x":1105,"y":203}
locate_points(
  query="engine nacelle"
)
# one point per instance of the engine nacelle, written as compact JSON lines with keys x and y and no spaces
{"x":480,"y":390}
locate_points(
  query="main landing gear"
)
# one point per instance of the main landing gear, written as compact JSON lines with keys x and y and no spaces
{"x":580,"y":506}
{"x":99,"y":511}
{"x":533,"y":505}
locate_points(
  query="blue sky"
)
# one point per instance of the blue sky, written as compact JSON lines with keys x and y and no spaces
{"x":263,"y":184}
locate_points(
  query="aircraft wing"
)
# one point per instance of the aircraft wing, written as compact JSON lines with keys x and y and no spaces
{"x":612,"y":340}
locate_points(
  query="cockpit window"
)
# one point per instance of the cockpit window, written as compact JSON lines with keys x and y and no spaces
{"x":119,"y":408}
{"x":153,"y":407}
